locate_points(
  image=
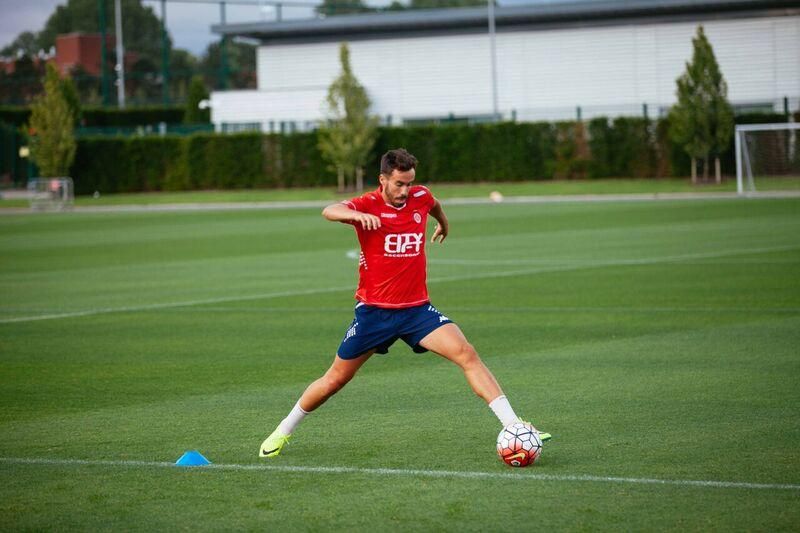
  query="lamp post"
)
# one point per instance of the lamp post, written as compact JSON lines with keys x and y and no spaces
{"x":495,"y":111}
{"x":120,"y":67}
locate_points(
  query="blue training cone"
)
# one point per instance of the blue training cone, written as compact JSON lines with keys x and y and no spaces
{"x":192,"y":458}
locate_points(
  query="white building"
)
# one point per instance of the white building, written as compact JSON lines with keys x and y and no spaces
{"x":553,"y":61}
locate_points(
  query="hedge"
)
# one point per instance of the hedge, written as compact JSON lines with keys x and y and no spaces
{"x":623,"y":147}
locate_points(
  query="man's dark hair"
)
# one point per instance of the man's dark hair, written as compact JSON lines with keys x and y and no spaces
{"x":398,"y":159}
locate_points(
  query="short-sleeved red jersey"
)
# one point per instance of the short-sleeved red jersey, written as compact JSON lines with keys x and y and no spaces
{"x":392,"y":268}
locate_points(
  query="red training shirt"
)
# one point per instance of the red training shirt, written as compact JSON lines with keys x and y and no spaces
{"x":392,"y":267}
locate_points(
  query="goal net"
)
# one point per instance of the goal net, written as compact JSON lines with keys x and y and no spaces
{"x":767,"y":156}
{"x":51,"y":193}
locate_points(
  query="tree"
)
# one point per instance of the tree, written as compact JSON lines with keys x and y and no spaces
{"x":141,"y":28}
{"x":347,"y":137}
{"x":331,"y":8}
{"x":70,"y":93}
{"x":26,"y":80}
{"x":183,"y":66}
{"x":395,"y":6}
{"x":51,"y":127}
{"x":26,"y":43}
{"x":240,"y":62}
{"x":702,"y":120}
{"x":197,"y":93}
{"x":437,"y":4}
{"x":86,"y":85}
{"x":142,"y":33}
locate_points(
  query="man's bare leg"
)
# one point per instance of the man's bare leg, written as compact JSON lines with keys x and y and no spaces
{"x":449,"y":342}
{"x":336,"y":377}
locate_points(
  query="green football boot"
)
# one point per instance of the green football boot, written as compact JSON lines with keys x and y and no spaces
{"x":542,"y":435}
{"x":274,"y":444}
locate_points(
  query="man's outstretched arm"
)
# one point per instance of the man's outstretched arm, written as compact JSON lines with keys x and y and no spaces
{"x":443,"y":227}
{"x":341,"y":213}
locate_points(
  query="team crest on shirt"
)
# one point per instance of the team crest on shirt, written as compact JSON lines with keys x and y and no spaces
{"x":417,"y":217}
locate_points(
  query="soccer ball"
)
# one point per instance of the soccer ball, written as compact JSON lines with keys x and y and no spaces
{"x":519,"y":444}
{"x":496,"y":196}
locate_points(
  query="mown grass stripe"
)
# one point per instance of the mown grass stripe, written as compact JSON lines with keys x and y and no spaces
{"x":467,"y":277}
{"x":517,"y":476}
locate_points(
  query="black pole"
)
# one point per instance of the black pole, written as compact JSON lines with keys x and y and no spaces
{"x":223,"y":59}
{"x":101,"y":11}
{"x":164,"y":54}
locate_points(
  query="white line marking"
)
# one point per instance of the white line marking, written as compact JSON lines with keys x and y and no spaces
{"x":172,"y":305}
{"x":519,"y":476}
{"x":306,"y":204}
{"x":618,"y":262}
{"x":518,"y":309}
{"x":465,"y":277}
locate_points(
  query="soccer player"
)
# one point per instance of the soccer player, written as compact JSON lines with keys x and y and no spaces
{"x":392,"y":295}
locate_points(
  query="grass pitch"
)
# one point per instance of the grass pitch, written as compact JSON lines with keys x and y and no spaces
{"x":655,"y":340}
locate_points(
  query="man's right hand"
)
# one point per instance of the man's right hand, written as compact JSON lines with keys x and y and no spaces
{"x":367,"y":221}
{"x":341,"y":213}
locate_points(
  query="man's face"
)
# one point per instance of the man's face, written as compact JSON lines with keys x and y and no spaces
{"x":395,"y":187}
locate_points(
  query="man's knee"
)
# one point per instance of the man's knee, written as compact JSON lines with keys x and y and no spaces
{"x":467,"y":356}
{"x":335,"y":380}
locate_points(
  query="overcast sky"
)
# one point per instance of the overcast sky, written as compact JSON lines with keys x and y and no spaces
{"x":188,"y":24}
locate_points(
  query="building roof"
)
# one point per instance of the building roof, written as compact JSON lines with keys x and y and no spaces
{"x":407,"y":23}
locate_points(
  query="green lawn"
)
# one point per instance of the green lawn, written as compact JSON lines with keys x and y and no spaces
{"x":655,"y":340}
{"x":444,"y":191}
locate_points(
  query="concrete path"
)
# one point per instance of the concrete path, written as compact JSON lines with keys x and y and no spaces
{"x":228,"y":206}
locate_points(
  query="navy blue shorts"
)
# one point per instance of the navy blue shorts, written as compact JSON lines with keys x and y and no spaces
{"x":378,"y":328}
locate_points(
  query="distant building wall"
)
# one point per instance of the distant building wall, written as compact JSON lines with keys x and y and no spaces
{"x":543,"y":74}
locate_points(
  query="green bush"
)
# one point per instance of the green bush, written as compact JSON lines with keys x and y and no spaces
{"x":603,"y":148}
{"x":624,"y":147}
{"x":463,"y":153}
{"x":124,"y":164}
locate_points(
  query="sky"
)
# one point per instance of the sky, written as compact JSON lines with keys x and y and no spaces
{"x":189,"y":25}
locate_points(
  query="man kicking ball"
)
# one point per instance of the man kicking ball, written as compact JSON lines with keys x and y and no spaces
{"x":392,"y":295}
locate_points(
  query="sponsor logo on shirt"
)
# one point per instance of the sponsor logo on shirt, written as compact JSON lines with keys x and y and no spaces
{"x":403,"y":244}
{"x":388,"y":215}
{"x":419,"y":193}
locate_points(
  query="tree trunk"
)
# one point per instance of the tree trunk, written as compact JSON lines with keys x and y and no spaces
{"x":340,"y":179}
{"x":694,"y":171}
{"x":705,"y":168}
{"x":359,"y":179}
{"x":717,"y":170}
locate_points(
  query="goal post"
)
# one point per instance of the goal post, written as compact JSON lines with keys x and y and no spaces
{"x":766,"y":151}
{"x":51,"y":193}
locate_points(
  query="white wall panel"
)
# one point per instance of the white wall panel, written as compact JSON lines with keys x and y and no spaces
{"x":542,"y":74}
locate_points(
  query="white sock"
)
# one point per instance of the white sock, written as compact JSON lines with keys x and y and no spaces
{"x":502,"y":409}
{"x":292,"y":420}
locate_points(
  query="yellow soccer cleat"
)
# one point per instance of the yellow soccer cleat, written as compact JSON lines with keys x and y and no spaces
{"x":273,"y":445}
{"x":544,"y":437}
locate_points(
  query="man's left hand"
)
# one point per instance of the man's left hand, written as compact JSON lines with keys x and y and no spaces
{"x":439,"y":233}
